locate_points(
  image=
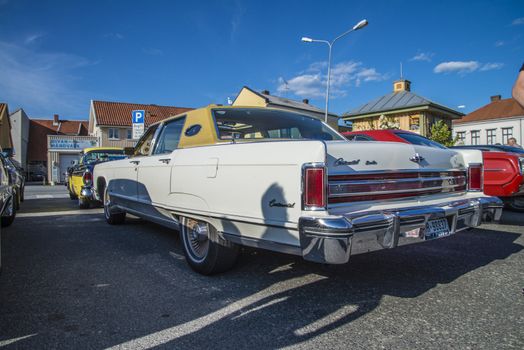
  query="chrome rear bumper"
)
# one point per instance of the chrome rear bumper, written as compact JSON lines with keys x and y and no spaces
{"x":87,"y":192}
{"x":333,"y":239}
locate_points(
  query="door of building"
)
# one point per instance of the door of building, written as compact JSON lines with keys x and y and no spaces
{"x":66,"y":161}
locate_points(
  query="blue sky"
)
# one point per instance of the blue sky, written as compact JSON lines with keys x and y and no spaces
{"x":55,"y":56}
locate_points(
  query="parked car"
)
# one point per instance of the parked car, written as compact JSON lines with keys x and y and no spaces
{"x":7,"y":194}
{"x":278,"y":180}
{"x":16,"y":179}
{"x":80,"y":176}
{"x":503,"y":173}
{"x":503,"y":165}
{"x":5,"y":200}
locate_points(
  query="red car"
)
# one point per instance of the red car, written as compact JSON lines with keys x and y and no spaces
{"x":503,"y":171}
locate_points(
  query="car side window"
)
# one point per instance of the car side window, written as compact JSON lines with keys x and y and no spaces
{"x":170,"y":136}
{"x":143,"y":146}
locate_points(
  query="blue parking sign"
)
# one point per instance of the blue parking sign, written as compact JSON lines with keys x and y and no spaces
{"x":138,"y":116}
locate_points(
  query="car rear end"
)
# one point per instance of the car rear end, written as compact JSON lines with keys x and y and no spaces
{"x":385,"y":195}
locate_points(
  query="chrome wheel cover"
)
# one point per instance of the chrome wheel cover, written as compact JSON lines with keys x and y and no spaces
{"x":196,"y":239}
{"x":518,"y":202}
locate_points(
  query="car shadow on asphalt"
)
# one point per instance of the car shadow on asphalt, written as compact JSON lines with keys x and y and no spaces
{"x":332,"y":296}
{"x":268,"y":300}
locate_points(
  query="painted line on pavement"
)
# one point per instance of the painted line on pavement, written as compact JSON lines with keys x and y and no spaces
{"x":67,"y":212}
{"x":45,"y":196}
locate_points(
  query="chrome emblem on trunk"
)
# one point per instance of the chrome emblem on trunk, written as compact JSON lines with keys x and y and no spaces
{"x":342,"y":161}
{"x":417,"y":158}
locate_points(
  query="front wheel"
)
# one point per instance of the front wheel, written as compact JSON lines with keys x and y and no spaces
{"x":205,"y":251}
{"x":112,"y":217}
{"x":516,"y":203}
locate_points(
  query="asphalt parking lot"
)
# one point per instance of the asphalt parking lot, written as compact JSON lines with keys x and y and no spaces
{"x":70,"y":281}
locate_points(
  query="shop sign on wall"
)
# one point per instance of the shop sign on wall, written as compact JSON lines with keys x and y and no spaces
{"x":70,"y":144}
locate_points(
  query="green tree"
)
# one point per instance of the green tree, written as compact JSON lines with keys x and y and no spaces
{"x":441,"y":133}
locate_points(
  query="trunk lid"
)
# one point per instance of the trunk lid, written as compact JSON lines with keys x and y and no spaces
{"x":350,"y":157}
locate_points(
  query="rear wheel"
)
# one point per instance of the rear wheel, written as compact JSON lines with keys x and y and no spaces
{"x":8,"y":216}
{"x":17,"y":200}
{"x":83,"y":203}
{"x":72,"y":196}
{"x":516,"y":203}
{"x":205,"y":251}
{"x":112,"y":217}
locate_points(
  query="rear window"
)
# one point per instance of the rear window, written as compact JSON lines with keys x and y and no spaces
{"x":255,"y":124}
{"x":419,"y":140}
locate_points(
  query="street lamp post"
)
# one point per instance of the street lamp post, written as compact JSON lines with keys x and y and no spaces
{"x":357,"y":26}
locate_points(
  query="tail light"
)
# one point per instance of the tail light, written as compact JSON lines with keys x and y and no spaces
{"x":475,"y":177}
{"x":314,"y":188}
{"x":87,"y":178}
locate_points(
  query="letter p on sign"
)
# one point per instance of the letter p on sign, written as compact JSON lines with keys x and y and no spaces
{"x":138,"y":117}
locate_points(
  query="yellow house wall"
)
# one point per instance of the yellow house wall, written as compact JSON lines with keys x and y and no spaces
{"x":5,"y":132}
{"x":402,"y":119}
{"x":248,"y":98}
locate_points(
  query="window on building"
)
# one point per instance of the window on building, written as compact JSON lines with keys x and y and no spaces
{"x":506,"y":134}
{"x":414,"y":123}
{"x":475,"y":137}
{"x":461,"y":136}
{"x":113,"y":134}
{"x":491,"y":136}
{"x":129,"y":134}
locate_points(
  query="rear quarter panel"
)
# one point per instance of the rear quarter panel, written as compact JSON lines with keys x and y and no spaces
{"x":502,"y":176}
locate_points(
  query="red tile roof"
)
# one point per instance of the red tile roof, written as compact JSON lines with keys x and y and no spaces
{"x":119,"y":113}
{"x":39,"y":129}
{"x":505,"y":108}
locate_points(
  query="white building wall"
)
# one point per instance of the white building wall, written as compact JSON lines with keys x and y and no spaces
{"x":517,"y":123}
{"x":20,"y":136}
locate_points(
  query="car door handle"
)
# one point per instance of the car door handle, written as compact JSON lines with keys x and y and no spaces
{"x":165,"y":160}
{"x":135,"y":162}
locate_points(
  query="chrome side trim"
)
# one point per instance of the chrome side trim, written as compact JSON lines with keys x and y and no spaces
{"x":262,"y":244}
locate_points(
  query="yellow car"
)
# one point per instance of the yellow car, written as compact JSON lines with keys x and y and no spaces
{"x":80,"y":176}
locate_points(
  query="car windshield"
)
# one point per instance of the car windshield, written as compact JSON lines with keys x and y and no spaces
{"x":256,"y":124}
{"x":102,"y":156}
{"x":419,"y":140}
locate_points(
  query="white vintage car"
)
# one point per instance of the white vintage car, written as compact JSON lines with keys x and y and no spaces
{"x":274,"y":179}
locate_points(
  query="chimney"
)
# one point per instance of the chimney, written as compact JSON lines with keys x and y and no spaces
{"x":401,"y":85}
{"x":265,"y":92}
{"x":495,"y":98}
{"x":306,"y":101}
{"x":55,"y":120}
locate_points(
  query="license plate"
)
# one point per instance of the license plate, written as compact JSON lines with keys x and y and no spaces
{"x":436,"y":229}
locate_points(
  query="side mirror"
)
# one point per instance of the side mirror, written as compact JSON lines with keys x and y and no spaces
{"x":129,"y":151}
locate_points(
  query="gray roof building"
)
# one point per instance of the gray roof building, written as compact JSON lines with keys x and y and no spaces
{"x":395,"y":101}
{"x":402,"y":107}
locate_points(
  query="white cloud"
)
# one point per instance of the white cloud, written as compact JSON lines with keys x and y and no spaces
{"x":312,"y":82}
{"x":499,"y":43}
{"x":236,"y":20}
{"x":152,"y":51}
{"x":461,"y":67}
{"x":491,"y":66}
{"x":32,"y":38}
{"x":116,"y":36}
{"x":464,"y":67}
{"x":518,"y":21}
{"x":423,"y":56}
{"x":41,"y":82}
